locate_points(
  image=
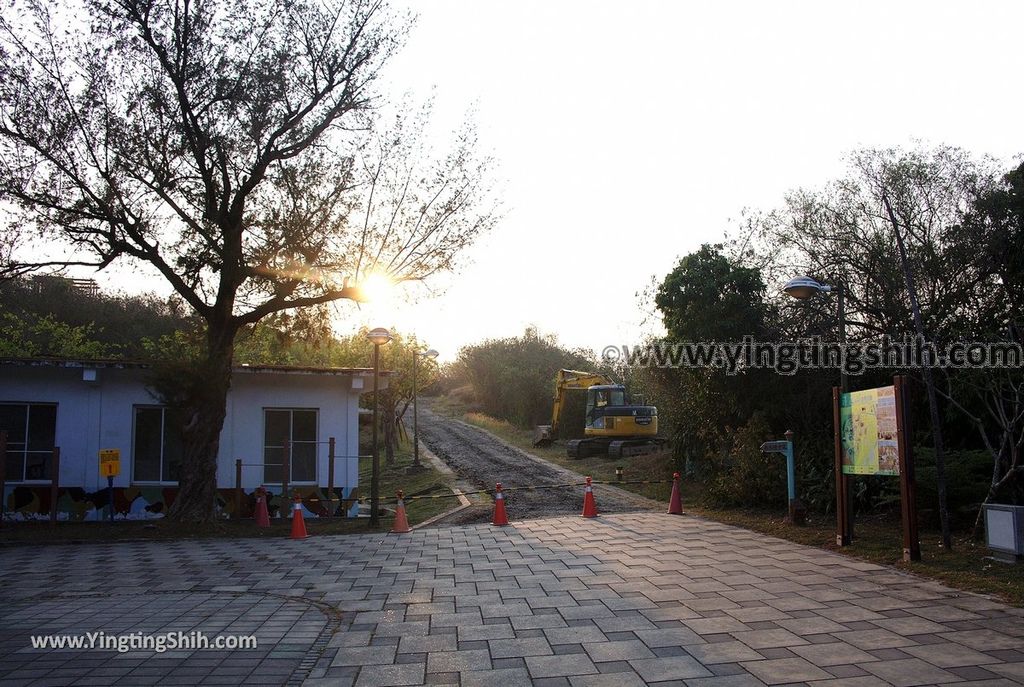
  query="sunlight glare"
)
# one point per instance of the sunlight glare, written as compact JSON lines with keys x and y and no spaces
{"x":379,"y":288}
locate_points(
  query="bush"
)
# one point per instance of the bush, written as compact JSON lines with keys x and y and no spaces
{"x":747,"y":477}
{"x":968,"y":477}
{"x":513,"y":379}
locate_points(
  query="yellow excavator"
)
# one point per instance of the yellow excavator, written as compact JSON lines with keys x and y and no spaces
{"x":614,"y":427}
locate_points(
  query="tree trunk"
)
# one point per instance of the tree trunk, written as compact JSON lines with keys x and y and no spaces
{"x":929,"y":383}
{"x":205,"y":408}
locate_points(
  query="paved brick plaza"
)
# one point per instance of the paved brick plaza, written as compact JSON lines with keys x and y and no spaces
{"x":623,"y":600}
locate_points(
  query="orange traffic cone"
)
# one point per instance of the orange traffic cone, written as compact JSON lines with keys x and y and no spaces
{"x":675,"y":503}
{"x":500,"y":518}
{"x":589,"y":504}
{"x":298,"y":524}
{"x":262,"y":516}
{"x":401,"y":522}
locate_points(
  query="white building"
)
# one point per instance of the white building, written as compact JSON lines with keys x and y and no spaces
{"x":83,"y":407}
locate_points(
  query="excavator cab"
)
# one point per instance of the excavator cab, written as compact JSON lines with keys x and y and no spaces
{"x":599,"y":398}
{"x":611,"y":415}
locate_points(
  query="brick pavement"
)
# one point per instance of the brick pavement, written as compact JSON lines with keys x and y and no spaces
{"x":626,"y":599}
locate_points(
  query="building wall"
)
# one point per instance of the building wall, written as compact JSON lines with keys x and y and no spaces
{"x":94,"y":415}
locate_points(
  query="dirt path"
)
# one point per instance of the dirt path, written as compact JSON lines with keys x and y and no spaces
{"x":482,"y":459}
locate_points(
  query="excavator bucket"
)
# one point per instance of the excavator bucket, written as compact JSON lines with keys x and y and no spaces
{"x":542,"y":435}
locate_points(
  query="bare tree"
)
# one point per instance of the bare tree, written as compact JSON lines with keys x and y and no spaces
{"x":231,"y":145}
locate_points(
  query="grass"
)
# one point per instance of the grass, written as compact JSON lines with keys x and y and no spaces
{"x":393,"y":477}
{"x":878,"y":537}
{"x":425,"y":482}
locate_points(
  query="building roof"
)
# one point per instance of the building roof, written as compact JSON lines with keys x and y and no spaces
{"x":77,"y":363}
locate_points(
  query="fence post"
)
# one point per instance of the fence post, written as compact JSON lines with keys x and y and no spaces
{"x":286,"y":472}
{"x":3,"y":477}
{"x":55,"y":484}
{"x":330,"y":477}
{"x":238,"y":488}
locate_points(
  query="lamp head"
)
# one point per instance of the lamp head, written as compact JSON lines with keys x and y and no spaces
{"x":430,"y":354}
{"x":804,"y":287}
{"x":379,"y":336}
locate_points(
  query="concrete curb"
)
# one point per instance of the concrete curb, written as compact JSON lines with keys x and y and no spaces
{"x":443,"y":468}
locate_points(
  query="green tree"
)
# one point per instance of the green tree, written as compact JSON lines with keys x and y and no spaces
{"x":45,"y":336}
{"x":120,"y":322}
{"x":232,"y":147}
{"x":708,"y":297}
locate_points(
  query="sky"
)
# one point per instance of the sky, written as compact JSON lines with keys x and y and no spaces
{"x":628,"y":134}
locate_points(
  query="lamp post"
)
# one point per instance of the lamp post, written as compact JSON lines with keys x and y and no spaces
{"x":378,"y":337}
{"x":802,"y":288}
{"x":415,"y":409}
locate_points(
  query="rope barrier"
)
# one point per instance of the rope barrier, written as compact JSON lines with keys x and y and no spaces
{"x":532,"y":487}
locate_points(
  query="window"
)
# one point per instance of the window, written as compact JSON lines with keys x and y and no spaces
{"x":157,"y":444}
{"x":298,"y":428}
{"x":30,"y":428}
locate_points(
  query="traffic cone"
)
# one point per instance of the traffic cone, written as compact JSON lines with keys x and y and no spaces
{"x":500,"y":518}
{"x":262,"y":516}
{"x":675,"y":503}
{"x":589,"y":504}
{"x":401,"y":522}
{"x":298,"y":524}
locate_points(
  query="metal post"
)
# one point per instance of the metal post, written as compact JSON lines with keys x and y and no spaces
{"x":3,"y":477}
{"x":110,"y":498}
{"x":908,"y":505}
{"x":238,"y":488}
{"x":330,"y":477}
{"x":797,"y":509}
{"x":790,"y":471}
{"x":842,"y":522}
{"x":285,"y":475}
{"x":375,"y":475}
{"x":55,"y":484}
{"x":844,"y":384}
{"x":415,"y":416}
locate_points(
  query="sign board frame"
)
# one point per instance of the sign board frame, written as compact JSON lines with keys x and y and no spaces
{"x":904,"y":469}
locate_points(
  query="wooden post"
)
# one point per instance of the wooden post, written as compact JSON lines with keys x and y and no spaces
{"x":55,"y":484}
{"x":286,"y":472}
{"x":908,"y":487}
{"x":330,"y":477}
{"x":3,"y":476}
{"x":238,"y":488}
{"x":842,"y":514}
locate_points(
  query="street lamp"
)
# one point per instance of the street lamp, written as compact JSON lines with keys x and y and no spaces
{"x":378,"y":337}
{"x":803,"y":288}
{"x":415,"y":410}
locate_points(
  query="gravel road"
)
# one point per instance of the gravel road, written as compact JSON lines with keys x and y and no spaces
{"x":480,"y":458}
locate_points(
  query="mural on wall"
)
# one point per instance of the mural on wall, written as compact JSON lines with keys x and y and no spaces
{"x":140,"y":503}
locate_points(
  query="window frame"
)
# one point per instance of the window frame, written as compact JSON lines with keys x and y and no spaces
{"x":163,"y":428}
{"x":24,"y":451}
{"x":291,"y":434}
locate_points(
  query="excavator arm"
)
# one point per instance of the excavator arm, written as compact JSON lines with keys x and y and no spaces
{"x":565,"y":380}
